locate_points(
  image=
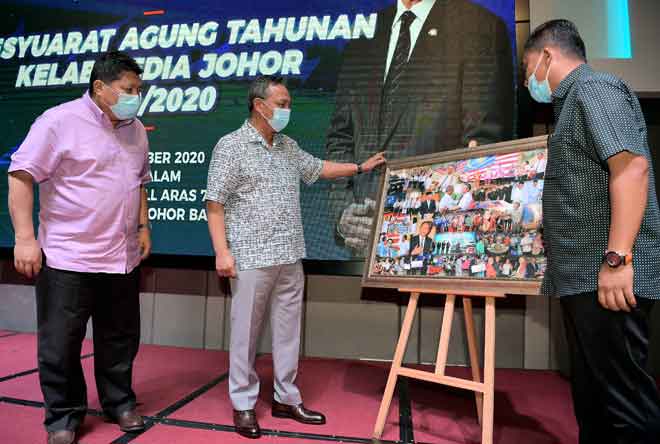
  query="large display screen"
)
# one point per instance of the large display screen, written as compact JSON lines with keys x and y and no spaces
{"x":621,"y":35}
{"x":199,"y":57}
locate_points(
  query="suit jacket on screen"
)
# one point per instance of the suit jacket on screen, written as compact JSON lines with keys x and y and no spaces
{"x":457,"y":86}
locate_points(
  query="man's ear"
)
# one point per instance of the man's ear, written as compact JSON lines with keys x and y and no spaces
{"x":97,"y":86}
{"x":549,"y":55}
{"x":258,"y":104}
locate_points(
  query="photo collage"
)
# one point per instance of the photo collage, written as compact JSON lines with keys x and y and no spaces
{"x":476,"y":218}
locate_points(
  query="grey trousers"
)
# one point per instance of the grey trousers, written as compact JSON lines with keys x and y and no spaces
{"x":282,"y":287}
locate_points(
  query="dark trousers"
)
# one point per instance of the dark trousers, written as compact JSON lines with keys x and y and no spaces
{"x":615,"y":399}
{"x":65,"y":302}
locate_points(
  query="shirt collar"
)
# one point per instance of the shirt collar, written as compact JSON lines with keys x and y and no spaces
{"x":559,"y":94}
{"x":253,"y":135}
{"x":99,"y":115}
{"x":421,"y":10}
{"x":93,"y":107}
{"x":568,"y":82}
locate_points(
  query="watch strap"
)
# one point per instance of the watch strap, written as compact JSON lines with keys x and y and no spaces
{"x":627,"y":259}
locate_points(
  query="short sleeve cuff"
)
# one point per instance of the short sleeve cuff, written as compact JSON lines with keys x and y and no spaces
{"x":314,"y":173}
{"x":37,"y":174}
{"x":612,"y":150}
{"x":216,"y":196}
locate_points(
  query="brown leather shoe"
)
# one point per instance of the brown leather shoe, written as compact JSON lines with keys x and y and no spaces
{"x":130,"y":422}
{"x":62,"y":437}
{"x":246,"y":424}
{"x":298,"y":413}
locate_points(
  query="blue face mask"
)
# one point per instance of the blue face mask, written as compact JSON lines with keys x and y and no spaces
{"x":540,"y":91}
{"x":280,"y":119}
{"x":127,"y":105}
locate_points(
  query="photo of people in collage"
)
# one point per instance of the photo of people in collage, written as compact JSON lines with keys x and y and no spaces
{"x":475,"y":218}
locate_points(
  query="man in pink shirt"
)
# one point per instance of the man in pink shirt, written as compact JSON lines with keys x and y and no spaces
{"x":90,"y":159}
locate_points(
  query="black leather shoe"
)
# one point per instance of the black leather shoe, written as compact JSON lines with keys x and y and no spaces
{"x":246,"y":424}
{"x":62,"y":437}
{"x":129,"y":421}
{"x":297,"y":413}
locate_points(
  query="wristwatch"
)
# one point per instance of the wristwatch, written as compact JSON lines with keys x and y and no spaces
{"x":359,"y":169}
{"x":615,"y":259}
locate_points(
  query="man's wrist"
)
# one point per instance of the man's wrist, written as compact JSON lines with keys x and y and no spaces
{"x":24,"y":237}
{"x":223,"y":251}
{"x":359,"y":169}
{"x":619,"y":249}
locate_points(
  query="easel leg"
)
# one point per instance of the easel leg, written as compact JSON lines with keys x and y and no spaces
{"x":489,"y":373}
{"x":472,"y":350}
{"x":445,"y":334}
{"x":396,"y":365}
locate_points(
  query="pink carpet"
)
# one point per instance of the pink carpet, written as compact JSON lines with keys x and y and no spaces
{"x":348,"y":392}
{"x":163,"y":434}
{"x":161,"y":376}
{"x":25,"y":427}
{"x":19,"y":353}
{"x":531,"y":406}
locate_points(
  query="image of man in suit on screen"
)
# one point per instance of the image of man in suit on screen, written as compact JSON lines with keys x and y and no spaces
{"x":422,"y":243}
{"x":428,"y":205}
{"x":436,"y":75}
{"x":421,"y":249}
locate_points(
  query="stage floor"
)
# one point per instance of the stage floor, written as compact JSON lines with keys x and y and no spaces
{"x":183,"y":394}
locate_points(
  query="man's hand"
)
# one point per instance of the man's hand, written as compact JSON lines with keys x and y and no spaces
{"x":615,"y":288}
{"x":355,"y":225}
{"x":27,"y":257}
{"x":225,"y":265}
{"x":144,"y":241}
{"x":373,"y":162}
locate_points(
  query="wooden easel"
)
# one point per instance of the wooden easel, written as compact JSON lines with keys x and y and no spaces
{"x":484,"y":391}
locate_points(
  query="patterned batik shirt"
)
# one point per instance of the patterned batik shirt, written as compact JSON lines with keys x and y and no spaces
{"x":597,"y":116}
{"x":259,"y":187}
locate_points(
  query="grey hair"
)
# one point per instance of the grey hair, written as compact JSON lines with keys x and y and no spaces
{"x":259,"y":88}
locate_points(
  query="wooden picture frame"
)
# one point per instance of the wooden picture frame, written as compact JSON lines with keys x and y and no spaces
{"x":485,"y":233}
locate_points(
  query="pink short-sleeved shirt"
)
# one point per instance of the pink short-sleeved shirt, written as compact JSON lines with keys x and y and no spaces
{"x":89,"y":176}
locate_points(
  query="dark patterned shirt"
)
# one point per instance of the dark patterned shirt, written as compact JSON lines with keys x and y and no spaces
{"x":597,"y":116}
{"x":259,"y":187}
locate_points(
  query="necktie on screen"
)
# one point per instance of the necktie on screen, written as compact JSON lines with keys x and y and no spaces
{"x":397,"y":68}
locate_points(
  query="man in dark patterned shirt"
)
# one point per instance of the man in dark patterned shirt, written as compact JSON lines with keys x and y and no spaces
{"x":254,"y":176}
{"x":602,"y":231}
